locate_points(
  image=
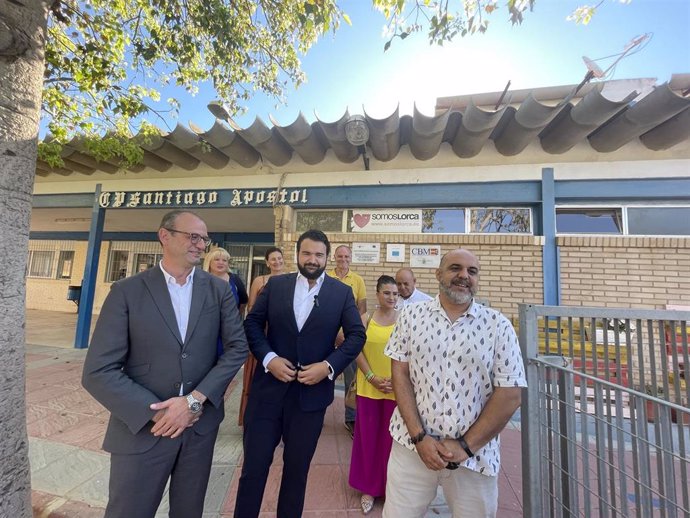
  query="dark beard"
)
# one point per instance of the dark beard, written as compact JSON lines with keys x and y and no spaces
{"x":310,"y":275}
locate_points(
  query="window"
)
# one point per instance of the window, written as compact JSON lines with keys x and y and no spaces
{"x":65,"y":261}
{"x":40,"y":263}
{"x":324,"y":220}
{"x":589,"y":220}
{"x":443,"y":221}
{"x":500,"y":221}
{"x":143,"y":262}
{"x":659,"y":221}
{"x":117,"y":265}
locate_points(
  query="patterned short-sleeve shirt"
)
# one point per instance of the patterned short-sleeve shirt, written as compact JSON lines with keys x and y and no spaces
{"x":454,"y":367}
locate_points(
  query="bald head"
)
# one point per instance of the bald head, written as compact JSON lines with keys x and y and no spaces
{"x":406,"y":282}
{"x":458,"y":277}
{"x":459,"y":253}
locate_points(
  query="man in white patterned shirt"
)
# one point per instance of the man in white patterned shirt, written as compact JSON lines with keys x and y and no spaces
{"x":457,"y":377}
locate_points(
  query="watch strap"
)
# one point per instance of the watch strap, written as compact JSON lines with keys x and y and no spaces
{"x":418,"y":438}
{"x":464,"y":446}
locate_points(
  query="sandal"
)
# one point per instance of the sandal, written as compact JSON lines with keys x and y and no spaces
{"x":367,"y":503}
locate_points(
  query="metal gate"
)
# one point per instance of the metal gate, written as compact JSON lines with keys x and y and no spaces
{"x":605,"y":418}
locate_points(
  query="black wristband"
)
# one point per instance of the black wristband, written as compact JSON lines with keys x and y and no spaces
{"x":463,"y":445}
{"x":418,"y":438}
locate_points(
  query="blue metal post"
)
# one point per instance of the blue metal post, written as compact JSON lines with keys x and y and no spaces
{"x":550,"y":259}
{"x":88,"y":287}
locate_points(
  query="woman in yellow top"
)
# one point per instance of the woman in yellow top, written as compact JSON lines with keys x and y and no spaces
{"x":372,"y":441}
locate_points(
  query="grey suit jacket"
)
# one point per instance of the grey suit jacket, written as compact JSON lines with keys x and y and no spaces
{"x":137,"y":356}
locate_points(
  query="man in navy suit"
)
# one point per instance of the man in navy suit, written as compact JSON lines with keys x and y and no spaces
{"x":291,"y":331}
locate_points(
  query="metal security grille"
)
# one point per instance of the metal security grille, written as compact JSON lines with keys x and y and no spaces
{"x":605,"y":419}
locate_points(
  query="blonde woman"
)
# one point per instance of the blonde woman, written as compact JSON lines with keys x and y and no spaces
{"x":217,"y":262}
{"x":276,"y":265}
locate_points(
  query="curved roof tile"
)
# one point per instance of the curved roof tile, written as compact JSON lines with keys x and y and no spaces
{"x":426,"y":134}
{"x":661,"y":119}
{"x":384,"y":135}
{"x":334,"y":133}
{"x":474,"y":130}
{"x":303,"y":139}
{"x":190,"y":142}
{"x":652,"y":110}
{"x":670,"y":133}
{"x":575,"y":122}
{"x":520,"y":127}
{"x":229,"y":143}
{"x":267,"y":142}
{"x":158,"y":145}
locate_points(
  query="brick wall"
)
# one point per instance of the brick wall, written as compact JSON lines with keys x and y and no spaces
{"x":625,"y":271}
{"x":511,"y":265}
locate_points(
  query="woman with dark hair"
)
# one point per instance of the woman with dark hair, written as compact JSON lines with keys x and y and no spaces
{"x":276,"y":265}
{"x":372,"y":442}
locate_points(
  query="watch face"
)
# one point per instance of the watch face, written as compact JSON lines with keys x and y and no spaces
{"x":195,"y":407}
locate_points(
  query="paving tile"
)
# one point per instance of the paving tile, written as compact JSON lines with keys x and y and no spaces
{"x":43,"y":452}
{"x":326,"y":451}
{"x":29,"y":358}
{"x":86,"y":430}
{"x":229,"y":502}
{"x":65,"y":474}
{"x":228,"y":450}
{"x":94,"y":491}
{"x":77,"y":510}
{"x":325,"y":489}
{"x":219,"y":482}
{"x":53,"y":423}
{"x":35,"y":412}
{"x":46,"y":393}
{"x":39,"y":500}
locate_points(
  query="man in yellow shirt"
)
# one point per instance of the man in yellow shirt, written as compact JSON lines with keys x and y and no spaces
{"x":342,"y":272}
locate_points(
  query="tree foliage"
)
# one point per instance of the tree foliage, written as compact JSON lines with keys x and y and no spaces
{"x":444,"y":20}
{"x":107,"y":60}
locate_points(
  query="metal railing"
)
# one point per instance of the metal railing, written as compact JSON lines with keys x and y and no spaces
{"x":605,"y":417}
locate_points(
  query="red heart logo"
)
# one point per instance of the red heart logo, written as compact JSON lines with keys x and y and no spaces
{"x":361,"y":220}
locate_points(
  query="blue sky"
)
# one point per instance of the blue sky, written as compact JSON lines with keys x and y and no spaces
{"x":351,"y":70}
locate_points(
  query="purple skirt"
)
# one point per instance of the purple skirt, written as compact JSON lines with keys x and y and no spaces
{"x":371,"y":445}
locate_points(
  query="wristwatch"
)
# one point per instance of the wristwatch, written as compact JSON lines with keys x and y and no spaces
{"x":194,"y":404}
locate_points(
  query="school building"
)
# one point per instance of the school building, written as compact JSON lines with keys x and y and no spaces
{"x":568,"y":196}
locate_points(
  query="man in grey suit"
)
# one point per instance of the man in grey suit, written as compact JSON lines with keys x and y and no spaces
{"x":154,"y":364}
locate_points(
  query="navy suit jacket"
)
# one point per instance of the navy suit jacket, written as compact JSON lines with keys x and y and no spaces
{"x":271,"y":327}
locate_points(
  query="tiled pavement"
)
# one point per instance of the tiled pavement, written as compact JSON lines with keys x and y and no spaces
{"x":70,"y":473}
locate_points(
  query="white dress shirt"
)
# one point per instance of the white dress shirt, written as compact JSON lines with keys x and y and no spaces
{"x":303,"y":302}
{"x":417,"y":296}
{"x":181,"y":298}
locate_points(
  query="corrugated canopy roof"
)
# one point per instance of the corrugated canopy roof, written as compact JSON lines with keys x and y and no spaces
{"x":559,"y":117}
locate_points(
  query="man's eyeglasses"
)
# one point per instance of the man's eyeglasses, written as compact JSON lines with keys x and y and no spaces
{"x":194,"y":238}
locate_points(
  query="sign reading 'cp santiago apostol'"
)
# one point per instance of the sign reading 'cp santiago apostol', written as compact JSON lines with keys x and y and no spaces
{"x":387,"y":221}
{"x":198,"y":198}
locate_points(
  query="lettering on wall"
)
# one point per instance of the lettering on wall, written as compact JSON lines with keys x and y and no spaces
{"x":406,"y":221}
{"x":217,"y":198}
